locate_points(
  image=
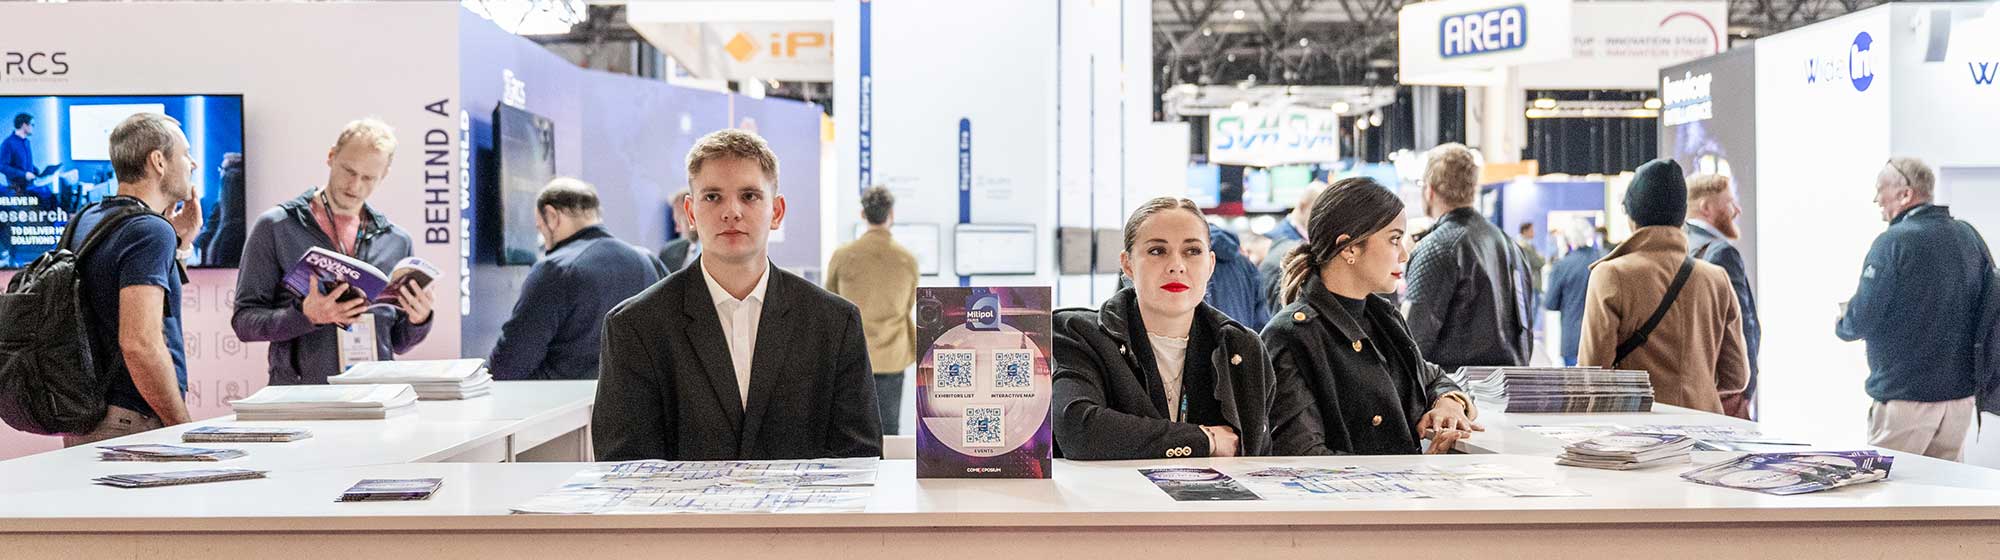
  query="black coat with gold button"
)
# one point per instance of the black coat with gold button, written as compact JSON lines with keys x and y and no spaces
{"x":1110,"y":403}
{"x":1340,"y":390}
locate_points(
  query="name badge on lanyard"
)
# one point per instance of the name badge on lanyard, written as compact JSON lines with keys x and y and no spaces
{"x":357,"y":342}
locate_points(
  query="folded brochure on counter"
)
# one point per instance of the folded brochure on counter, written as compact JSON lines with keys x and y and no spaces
{"x":1786,"y":474}
{"x":164,"y":453}
{"x":327,"y":402}
{"x":391,"y":490}
{"x":152,"y":480}
{"x":241,"y":434}
{"x":432,"y":379}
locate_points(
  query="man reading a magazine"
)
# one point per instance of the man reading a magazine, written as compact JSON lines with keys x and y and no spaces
{"x":318,"y":335}
{"x":736,"y":359}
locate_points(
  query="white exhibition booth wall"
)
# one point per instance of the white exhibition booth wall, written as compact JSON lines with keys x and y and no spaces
{"x":1834,"y":101}
{"x":434,"y":72}
{"x":990,"y":154}
{"x":303,"y":75}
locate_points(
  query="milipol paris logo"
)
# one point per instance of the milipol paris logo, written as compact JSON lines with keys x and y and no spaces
{"x":982,"y":313}
{"x":1856,"y":67}
{"x":33,"y":65}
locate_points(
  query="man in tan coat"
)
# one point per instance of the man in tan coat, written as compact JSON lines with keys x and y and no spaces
{"x":1695,"y":354}
{"x":880,"y":277}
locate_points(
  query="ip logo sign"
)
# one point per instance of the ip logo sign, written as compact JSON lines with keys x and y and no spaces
{"x":1861,"y":62}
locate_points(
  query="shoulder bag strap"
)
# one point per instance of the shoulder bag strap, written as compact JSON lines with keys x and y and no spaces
{"x":1639,"y":337}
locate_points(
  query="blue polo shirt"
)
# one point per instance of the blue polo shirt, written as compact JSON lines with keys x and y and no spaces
{"x":139,"y":253}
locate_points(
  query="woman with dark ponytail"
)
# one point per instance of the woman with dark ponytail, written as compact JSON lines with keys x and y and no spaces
{"x":1154,"y":372}
{"x":1351,"y":380}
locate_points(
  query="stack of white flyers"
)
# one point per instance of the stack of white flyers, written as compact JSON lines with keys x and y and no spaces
{"x":814,"y":486}
{"x":240,"y":434}
{"x":327,"y":402}
{"x":1785,"y":474}
{"x":176,"y":478}
{"x":1534,"y":389}
{"x":1627,"y":450}
{"x":433,"y":379}
{"x":164,"y":453}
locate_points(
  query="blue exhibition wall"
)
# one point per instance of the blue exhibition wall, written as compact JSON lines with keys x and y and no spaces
{"x":1531,"y":202}
{"x":629,"y":137}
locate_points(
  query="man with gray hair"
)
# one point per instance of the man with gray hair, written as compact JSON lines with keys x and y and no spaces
{"x":1570,"y":282}
{"x":1915,"y":308}
{"x":554,"y":332}
{"x":132,"y":278}
{"x":319,"y":335}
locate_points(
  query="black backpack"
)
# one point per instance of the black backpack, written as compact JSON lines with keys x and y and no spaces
{"x":51,"y":381}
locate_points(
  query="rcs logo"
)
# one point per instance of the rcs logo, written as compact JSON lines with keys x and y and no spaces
{"x":17,"y":63}
{"x":782,"y":45}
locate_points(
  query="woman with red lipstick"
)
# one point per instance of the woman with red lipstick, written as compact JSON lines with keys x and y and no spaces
{"x":1351,"y":379}
{"x":1155,"y":372}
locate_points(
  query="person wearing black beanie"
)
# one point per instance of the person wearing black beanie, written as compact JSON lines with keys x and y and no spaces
{"x":1695,"y":355}
{"x":1657,"y":195}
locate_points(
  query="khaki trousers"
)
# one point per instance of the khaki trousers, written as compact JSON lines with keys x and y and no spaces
{"x":1933,"y":429}
{"x":118,"y":422}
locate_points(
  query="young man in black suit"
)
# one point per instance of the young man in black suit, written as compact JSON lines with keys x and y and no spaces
{"x":742,"y":360}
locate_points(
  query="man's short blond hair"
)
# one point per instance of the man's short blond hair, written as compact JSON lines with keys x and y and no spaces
{"x":1705,"y":185}
{"x":1453,"y":173}
{"x":371,"y":132}
{"x":733,"y":143}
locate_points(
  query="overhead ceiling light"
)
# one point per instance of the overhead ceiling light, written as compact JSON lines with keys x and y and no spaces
{"x":1652,"y":103}
{"x":1206,"y":32}
{"x":1238,"y":14}
{"x":1361,"y":124}
{"x":1375,"y":119}
{"x":1240,"y":106}
{"x":1340,"y":107}
{"x":1545,"y":103}
{"x":1303,"y":41}
{"x":774,"y":84}
{"x":1231,"y":58}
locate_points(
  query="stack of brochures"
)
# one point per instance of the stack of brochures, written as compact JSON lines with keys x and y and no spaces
{"x":164,"y":453}
{"x":1564,"y":389}
{"x":234,"y":434}
{"x":433,"y":379}
{"x":326,"y":402}
{"x":176,"y":478}
{"x":391,"y":490}
{"x":1785,"y":474}
{"x":1627,"y":450}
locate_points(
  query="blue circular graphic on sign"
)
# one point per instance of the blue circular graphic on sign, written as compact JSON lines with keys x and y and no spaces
{"x":1860,"y":62}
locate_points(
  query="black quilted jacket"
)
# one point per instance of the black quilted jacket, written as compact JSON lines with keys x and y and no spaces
{"x":1468,"y":299}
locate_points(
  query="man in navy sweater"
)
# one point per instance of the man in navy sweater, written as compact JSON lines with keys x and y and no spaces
{"x":1912,"y":309}
{"x":555,"y":330}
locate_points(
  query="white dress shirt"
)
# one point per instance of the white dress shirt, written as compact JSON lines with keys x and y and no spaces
{"x":739,"y":324}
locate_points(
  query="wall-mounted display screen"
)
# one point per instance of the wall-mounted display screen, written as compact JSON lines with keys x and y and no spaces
{"x":526,"y":145}
{"x":993,"y":249}
{"x":59,"y":161}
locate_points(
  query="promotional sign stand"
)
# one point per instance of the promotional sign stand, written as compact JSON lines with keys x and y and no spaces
{"x":984,"y":383}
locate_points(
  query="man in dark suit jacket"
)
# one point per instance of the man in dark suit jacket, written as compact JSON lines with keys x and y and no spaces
{"x":555,"y":330}
{"x":676,"y":253}
{"x":1711,"y":229}
{"x":741,"y":360}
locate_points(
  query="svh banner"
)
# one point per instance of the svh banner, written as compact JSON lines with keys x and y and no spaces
{"x":1271,"y":137}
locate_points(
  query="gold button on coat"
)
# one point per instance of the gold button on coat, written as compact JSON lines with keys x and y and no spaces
{"x":1376,"y":421}
{"x":1236,"y":360}
{"x":1299,"y":316}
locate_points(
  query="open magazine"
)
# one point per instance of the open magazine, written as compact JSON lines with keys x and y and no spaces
{"x":363,"y":279}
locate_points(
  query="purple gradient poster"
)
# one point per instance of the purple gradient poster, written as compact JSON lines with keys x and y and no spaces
{"x":984,"y":383}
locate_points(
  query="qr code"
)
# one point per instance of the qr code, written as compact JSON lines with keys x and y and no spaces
{"x":983,"y":426}
{"x":954,"y":369}
{"x":1013,"y":369}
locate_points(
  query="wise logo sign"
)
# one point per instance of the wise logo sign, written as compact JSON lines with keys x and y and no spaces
{"x":982,"y":313}
{"x":1855,"y":67}
{"x":1485,"y":31}
{"x":1983,"y":73}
